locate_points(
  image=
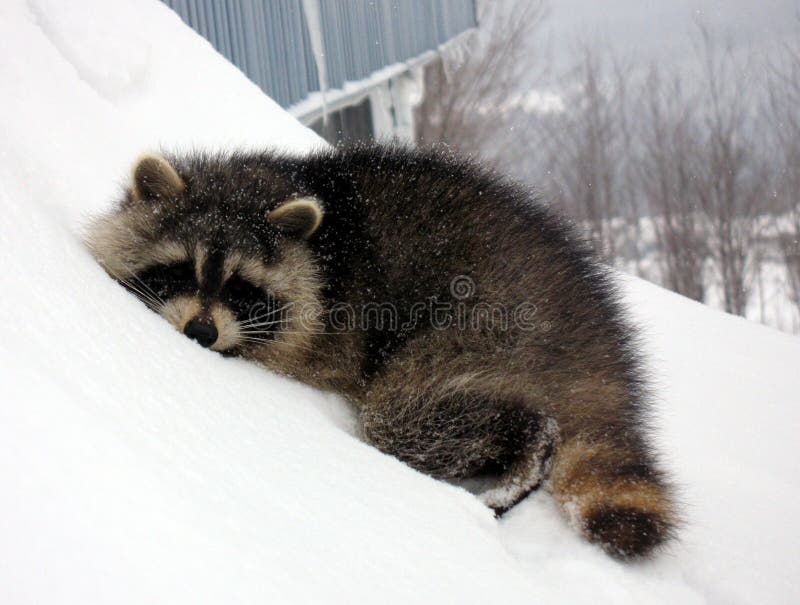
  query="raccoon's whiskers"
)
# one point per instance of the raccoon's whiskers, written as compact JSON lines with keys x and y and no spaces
{"x":296,"y":345}
{"x":259,"y":318}
{"x":142,"y":290}
{"x":147,"y":288}
{"x":143,"y":296}
{"x":252,"y":339}
{"x":256,"y":332}
{"x":275,"y":332}
{"x":150,"y":299}
{"x":268,"y":313}
{"x":261,"y":326}
{"x":310,"y":332}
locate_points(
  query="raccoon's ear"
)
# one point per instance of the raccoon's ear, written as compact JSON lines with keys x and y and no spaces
{"x":300,"y":216}
{"x":155,"y":179}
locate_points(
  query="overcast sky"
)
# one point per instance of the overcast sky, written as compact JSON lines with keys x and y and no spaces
{"x":647,"y":30}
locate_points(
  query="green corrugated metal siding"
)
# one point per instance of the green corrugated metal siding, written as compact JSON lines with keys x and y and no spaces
{"x":269,"y":40}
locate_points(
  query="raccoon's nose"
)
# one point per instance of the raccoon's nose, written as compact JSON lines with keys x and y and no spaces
{"x":203,"y":332}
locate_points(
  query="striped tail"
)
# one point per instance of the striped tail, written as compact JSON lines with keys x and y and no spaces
{"x":614,"y":496}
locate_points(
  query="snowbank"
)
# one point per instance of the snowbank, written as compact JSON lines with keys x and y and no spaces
{"x":137,"y":467}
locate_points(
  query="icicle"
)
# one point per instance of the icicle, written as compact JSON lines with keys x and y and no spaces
{"x":313,"y":15}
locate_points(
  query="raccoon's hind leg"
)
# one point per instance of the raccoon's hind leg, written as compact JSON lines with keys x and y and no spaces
{"x":535,"y":440}
{"x":460,"y":435}
{"x":612,"y":493}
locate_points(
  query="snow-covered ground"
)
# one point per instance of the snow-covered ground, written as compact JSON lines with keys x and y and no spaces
{"x":768,"y":283}
{"x":136,"y":467}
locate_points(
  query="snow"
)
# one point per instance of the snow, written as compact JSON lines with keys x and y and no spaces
{"x":138,"y":467}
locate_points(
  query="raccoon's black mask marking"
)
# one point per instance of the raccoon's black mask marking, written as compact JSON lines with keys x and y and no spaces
{"x":216,"y":243}
{"x":257,"y":311}
{"x":169,"y":281}
{"x":245,"y":300}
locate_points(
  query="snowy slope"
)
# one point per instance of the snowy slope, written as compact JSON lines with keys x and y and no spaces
{"x":137,"y":467}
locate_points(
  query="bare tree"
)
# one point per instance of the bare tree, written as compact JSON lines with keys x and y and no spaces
{"x":585,"y":152}
{"x":783,"y":112}
{"x":669,"y":155}
{"x":621,"y":152}
{"x":467,"y":88}
{"x":473,"y":103}
{"x":632,"y":243}
{"x":732,"y":178}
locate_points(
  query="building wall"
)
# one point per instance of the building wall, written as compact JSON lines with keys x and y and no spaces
{"x":269,"y":40}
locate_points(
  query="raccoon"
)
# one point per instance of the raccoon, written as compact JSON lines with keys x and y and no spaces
{"x":470,"y":327}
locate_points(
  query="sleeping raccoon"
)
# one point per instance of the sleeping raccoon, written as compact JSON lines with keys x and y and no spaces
{"x":469,"y":326}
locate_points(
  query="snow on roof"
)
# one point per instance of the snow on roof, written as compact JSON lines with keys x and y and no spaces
{"x":137,"y":467}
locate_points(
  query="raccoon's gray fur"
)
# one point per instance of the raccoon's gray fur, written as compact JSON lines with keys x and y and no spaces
{"x":470,"y":327}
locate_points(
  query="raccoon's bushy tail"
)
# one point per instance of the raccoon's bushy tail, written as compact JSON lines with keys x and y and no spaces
{"x":614,"y":496}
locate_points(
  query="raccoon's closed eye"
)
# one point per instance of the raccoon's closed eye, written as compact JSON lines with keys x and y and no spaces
{"x":246,"y":300}
{"x":168,"y":281}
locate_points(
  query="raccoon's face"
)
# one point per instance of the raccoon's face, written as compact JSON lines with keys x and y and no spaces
{"x":220,"y":254}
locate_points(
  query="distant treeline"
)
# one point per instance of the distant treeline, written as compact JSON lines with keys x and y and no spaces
{"x":708,"y":163}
